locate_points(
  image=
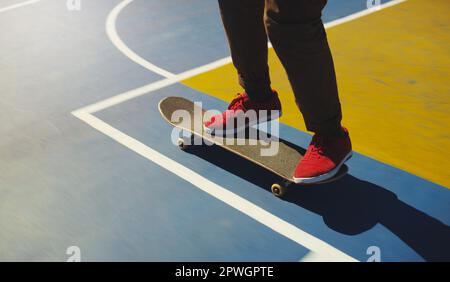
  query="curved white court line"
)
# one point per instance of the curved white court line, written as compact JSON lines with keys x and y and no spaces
{"x":174,"y":78}
{"x":18,"y":5}
{"x":115,"y":39}
{"x":111,"y":31}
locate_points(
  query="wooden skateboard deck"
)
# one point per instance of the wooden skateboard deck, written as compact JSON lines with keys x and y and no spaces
{"x":248,"y":145}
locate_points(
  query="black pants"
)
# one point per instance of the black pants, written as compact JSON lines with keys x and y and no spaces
{"x":298,"y":36}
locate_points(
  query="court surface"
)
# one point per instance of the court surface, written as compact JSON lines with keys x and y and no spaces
{"x":86,"y":159}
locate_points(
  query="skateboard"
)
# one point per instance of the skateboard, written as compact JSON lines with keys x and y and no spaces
{"x":187,"y":116}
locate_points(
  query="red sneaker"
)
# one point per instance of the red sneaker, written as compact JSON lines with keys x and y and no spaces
{"x":324,"y":158}
{"x":232,"y":120}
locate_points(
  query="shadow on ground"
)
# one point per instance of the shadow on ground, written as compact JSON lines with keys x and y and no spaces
{"x":349,"y":206}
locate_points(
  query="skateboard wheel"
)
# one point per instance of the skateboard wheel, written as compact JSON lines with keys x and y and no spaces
{"x":182,"y":145}
{"x":278,"y":189}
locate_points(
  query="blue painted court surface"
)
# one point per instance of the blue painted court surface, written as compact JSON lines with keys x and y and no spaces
{"x":102,"y":179}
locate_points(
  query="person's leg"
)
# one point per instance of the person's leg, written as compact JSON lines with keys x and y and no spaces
{"x":247,"y":38}
{"x":297,"y":33}
{"x":298,"y":36}
{"x":244,"y":25}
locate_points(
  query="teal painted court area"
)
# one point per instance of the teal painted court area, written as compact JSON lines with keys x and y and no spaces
{"x":86,"y":159}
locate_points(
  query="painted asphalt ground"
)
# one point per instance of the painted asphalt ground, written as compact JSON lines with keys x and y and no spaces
{"x":65,"y":184}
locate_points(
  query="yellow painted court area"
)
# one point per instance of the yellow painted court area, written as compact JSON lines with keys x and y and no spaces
{"x":393,"y":69}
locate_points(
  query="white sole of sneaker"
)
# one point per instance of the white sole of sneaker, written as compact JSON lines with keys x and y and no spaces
{"x":233,"y":131}
{"x":325,"y":176}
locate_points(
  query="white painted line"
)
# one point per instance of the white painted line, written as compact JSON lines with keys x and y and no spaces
{"x":363,"y":13}
{"x":172,"y":78}
{"x":314,"y":257}
{"x":18,"y":5}
{"x":326,"y":251}
{"x":115,"y":39}
{"x":153,"y":86}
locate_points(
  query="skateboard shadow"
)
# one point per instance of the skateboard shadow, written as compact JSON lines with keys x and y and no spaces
{"x":349,"y":205}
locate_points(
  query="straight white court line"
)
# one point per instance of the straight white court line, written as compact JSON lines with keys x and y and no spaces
{"x":363,"y":13}
{"x":174,"y":78}
{"x":152,"y":86}
{"x":321,"y":249}
{"x":313,"y":257}
{"x":18,"y":5}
